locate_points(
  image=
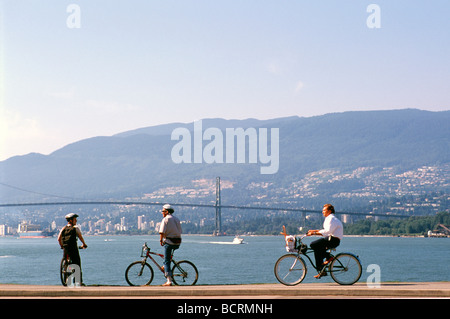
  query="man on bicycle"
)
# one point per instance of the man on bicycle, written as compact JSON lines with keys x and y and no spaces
{"x":332,"y":231}
{"x":170,"y":238}
{"x":67,"y":239}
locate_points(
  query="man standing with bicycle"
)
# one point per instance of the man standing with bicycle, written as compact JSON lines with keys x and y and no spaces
{"x":169,"y":238}
{"x":333,"y":232}
{"x":67,"y":239}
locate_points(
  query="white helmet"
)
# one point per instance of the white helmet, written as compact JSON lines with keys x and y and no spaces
{"x":71,"y":215}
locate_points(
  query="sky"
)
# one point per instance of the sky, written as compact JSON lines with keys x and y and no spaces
{"x":74,"y":69}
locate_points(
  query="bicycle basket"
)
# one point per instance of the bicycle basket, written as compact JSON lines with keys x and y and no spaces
{"x":290,"y":244}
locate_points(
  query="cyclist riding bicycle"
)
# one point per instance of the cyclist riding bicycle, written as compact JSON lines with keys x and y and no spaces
{"x":332,"y":231}
{"x":67,"y":239}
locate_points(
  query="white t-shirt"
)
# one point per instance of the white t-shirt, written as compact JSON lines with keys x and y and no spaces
{"x":171,"y":228}
{"x":332,"y":227}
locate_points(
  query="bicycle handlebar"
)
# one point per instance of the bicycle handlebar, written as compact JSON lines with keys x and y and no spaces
{"x":144,"y":249}
{"x":79,"y":247}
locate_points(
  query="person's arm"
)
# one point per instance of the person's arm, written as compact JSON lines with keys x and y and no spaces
{"x":313,"y":232}
{"x":80,"y":236}
{"x":60,"y":237}
{"x":162,"y":231}
{"x":82,"y":240}
{"x":325,"y":231}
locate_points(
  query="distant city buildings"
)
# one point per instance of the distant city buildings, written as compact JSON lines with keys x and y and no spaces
{"x":419,"y":191}
{"x":143,"y":224}
{"x":91,"y":227}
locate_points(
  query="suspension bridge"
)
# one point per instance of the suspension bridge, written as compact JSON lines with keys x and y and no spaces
{"x":217,"y":206}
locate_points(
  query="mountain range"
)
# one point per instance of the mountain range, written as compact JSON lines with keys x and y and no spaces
{"x":318,"y":157}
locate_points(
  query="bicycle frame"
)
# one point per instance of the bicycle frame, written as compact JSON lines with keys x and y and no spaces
{"x":184,"y":271}
{"x":309,"y":250}
{"x":336,"y":268}
{"x":148,"y":255}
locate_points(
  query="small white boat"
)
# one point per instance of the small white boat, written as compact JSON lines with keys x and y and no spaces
{"x":237,"y":240}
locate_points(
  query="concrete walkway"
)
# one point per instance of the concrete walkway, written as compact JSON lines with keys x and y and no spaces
{"x":305,"y":290}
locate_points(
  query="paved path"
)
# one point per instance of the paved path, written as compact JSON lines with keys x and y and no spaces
{"x":305,"y":290}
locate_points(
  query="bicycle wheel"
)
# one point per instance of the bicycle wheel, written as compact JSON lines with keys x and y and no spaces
{"x":139,"y":273}
{"x":345,"y":269}
{"x":290,"y":270}
{"x":63,"y":271}
{"x":184,"y":273}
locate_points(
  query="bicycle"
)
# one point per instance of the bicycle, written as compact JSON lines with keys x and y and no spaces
{"x":290,"y":269}
{"x":65,"y":272}
{"x":140,"y":273}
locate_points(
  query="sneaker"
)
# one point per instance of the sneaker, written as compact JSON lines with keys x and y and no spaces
{"x":168,"y":283}
{"x":329,"y":260}
{"x":321,"y":274}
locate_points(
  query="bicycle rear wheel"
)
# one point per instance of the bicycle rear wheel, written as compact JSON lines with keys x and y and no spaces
{"x":290,"y":270}
{"x":184,"y":273}
{"x":345,"y":269}
{"x":139,"y":273}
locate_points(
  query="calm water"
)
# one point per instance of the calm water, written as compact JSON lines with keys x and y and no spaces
{"x":36,"y":261}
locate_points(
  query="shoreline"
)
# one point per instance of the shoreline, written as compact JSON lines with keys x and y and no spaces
{"x":224,"y":236}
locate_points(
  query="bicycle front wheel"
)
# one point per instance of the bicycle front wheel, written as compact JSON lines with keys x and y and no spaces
{"x":290,"y":270}
{"x":184,"y":273}
{"x":139,"y":273}
{"x":345,"y":269}
{"x":63,"y":271}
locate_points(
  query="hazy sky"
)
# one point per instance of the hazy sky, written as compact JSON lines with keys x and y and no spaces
{"x":102,"y":66}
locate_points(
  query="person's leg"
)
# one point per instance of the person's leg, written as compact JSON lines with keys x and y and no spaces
{"x":75,"y":259}
{"x":168,"y":249}
{"x":167,"y":259}
{"x":332,"y":242}
{"x":319,"y":246}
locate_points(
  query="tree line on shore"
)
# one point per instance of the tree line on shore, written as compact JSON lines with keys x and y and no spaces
{"x":414,"y":225}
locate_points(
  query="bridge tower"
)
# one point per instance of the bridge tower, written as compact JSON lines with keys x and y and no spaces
{"x":218,"y":229}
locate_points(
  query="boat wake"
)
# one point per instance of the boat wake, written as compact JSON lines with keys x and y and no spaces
{"x":224,"y":243}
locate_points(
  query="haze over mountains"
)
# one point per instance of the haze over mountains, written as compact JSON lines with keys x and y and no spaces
{"x":347,"y":155}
